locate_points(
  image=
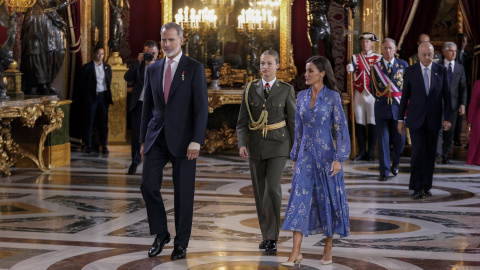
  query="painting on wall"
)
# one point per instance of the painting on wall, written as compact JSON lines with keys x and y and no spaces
{"x":445,"y":27}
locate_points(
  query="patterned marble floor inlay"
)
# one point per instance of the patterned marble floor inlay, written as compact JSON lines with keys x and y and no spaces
{"x":91,"y":216}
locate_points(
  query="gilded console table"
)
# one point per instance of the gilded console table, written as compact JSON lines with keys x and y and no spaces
{"x":27,"y":111}
{"x":225,"y":136}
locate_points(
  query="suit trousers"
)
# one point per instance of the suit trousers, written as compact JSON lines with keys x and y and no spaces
{"x":447,"y":138}
{"x":385,"y":128}
{"x":183,"y":189}
{"x":136,"y":115}
{"x":424,"y":146}
{"x":266,"y":178}
{"x":97,"y":113}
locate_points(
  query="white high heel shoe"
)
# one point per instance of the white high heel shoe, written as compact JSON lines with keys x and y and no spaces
{"x":326,"y":262}
{"x":292,"y":264}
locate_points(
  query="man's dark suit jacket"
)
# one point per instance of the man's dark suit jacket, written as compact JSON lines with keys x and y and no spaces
{"x":185,"y":114}
{"x":418,"y":105}
{"x":135,"y":74}
{"x":89,"y":83}
{"x":458,"y":87}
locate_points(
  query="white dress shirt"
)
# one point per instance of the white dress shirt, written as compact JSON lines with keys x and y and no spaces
{"x":446,"y":64}
{"x":385,"y":62}
{"x":269,"y":83}
{"x":173,"y":66}
{"x":100,"y":74}
{"x":429,"y":72}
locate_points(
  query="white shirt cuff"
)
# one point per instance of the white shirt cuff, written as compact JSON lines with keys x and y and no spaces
{"x":194,"y":146}
{"x":401,"y":121}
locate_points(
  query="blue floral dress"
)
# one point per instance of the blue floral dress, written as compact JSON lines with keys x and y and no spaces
{"x":318,"y":203}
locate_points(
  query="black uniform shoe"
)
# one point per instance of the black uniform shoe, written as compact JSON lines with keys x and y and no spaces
{"x":262,"y":244}
{"x":271,"y":247}
{"x":394,"y":169}
{"x":178,"y":252}
{"x":457,"y":143}
{"x":105,"y":151}
{"x":382,"y":178}
{"x":445,"y":161}
{"x":157,"y":245}
{"x":132,"y":169}
{"x":418,"y":194}
{"x":427,"y":192}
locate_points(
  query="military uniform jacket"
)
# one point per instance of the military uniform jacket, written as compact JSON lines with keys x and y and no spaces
{"x":387,"y":107}
{"x":280,"y":106}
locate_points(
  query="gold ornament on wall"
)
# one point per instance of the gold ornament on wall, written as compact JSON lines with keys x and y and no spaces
{"x":20,"y":5}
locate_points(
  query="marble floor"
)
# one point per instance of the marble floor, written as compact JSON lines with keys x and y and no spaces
{"x":90,"y":215}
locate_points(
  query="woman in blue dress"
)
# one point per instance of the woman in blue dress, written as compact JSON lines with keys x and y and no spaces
{"x":318,"y":200}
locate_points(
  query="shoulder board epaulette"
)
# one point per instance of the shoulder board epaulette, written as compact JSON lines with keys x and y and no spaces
{"x":285,"y":83}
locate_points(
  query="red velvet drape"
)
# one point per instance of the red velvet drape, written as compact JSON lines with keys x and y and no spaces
{"x":397,"y":13}
{"x":422,"y":24}
{"x":145,"y":24}
{"x":301,"y":45}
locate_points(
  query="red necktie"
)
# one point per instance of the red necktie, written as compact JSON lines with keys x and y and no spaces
{"x":168,"y":80}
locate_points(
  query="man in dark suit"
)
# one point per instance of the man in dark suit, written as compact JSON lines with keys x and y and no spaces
{"x":465,"y":59}
{"x":458,"y":91}
{"x":136,"y":74}
{"x":174,"y":121}
{"x":96,"y":80}
{"x":386,"y":84}
{"x":425,"y":91}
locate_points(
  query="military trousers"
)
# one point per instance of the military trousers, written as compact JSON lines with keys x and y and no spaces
{"x":266,"y":177}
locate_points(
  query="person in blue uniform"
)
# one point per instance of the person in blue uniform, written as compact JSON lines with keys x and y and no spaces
{"x":386,"y":84}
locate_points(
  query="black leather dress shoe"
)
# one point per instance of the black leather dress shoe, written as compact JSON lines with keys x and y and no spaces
{"x":271,"y":247}
{"x":382,"y":178}
{"x":157,"y":245}
{"x":394,"y":169}
{"x":445,"y":161}
{"x":418,"y":194}
{"x":132,"y":169}
{"x":262,"y":244}
{"x":457,"y":143}
{"x":427,"y":192}
{"x":371,"y":159}
{"x":178,"y":252}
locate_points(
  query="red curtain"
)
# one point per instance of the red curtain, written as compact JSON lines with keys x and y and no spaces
{"x":301,"y":45}
{"x":145,"y":24}
{"x":398,"y":14}
{"x":470,"y":11}
{"x":422,"y":24}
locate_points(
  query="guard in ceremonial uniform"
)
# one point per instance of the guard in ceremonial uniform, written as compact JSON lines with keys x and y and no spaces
{"x":386,"y":84}
{"x":267,"y":118}
{"x":363,"y":100}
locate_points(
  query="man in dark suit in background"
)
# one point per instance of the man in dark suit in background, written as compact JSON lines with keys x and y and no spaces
{"x":136,"y":74}
{"x":425,"y":91}
{"x":458,"y":92}
{"x":464,"y":59}
{"x":386,"y":85}
{"x":96,"y":80}
{"x":174,"y":121}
